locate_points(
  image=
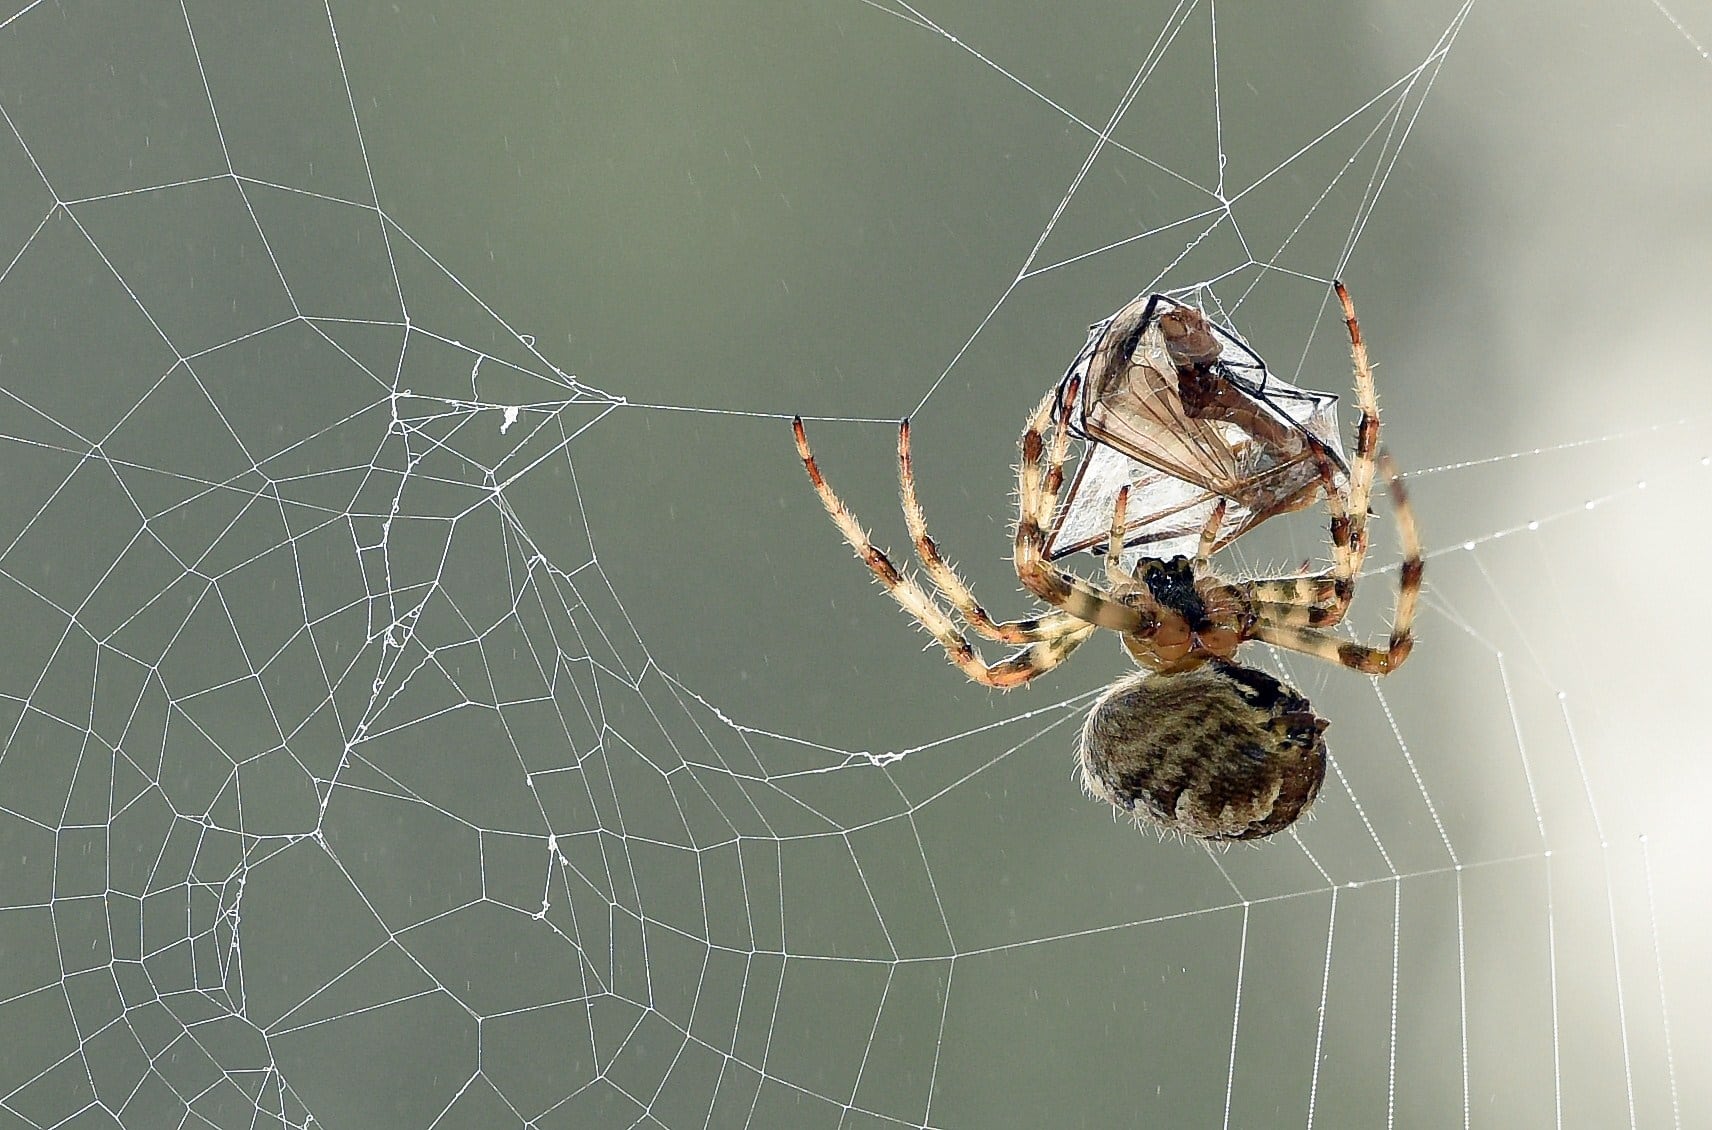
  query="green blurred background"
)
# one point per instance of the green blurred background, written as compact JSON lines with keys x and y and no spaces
{"x":366,"y":764}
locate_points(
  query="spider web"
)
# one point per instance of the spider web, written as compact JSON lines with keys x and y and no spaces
{"x":398,"y":730}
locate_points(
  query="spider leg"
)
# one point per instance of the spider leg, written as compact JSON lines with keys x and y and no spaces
{"x":1038,"y":480}
{"x":1210,"y":536}
{"x":1306,"y":588}
{"x":1114,"y":542}
{"x":1348,"y":508}
{"x":1276,"y":627}
{"x":1038,"y":657}
{"x":1361,"y":657}
{"x":1310,"y":600}
{"x":944,"y":575}
{"x":1322,"y":599}
{"x":1362,"y":466}
{"x":1040,"y":473}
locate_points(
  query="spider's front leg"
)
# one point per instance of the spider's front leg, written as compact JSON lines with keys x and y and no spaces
{"x":1040,"y":476}
{"x":1349,"y":513}
{"x":1321,"y":600}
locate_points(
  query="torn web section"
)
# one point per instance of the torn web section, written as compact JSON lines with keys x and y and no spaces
{"x":1184,"y":433}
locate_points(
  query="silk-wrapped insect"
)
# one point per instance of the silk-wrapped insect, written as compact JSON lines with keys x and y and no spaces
{"x":1181,"y":411}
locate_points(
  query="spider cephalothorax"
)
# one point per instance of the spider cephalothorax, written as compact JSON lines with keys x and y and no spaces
{"x":1194,"y":742}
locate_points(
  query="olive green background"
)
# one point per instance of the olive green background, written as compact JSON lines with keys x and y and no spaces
{"x":368,"y":761}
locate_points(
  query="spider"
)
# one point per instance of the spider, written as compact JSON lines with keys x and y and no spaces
{"x":1194,"y":742}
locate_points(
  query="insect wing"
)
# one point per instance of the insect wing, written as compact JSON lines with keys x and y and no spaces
{"x":1166,"y":514}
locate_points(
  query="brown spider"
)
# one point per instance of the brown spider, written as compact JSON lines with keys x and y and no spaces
{"x":1195,"y":742}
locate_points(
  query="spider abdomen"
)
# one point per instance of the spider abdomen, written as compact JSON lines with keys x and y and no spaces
{"x":1219,"y":751}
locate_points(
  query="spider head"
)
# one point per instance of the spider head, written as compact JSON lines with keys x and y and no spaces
{"x":1217,"y":751}
{"x":1196,"y":617}
{"x":1172,"y":584}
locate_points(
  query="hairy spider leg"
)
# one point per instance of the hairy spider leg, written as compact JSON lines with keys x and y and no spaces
{"x":1209,"y":536}
{"x":1012,"y":671}
{"x":1278,"y":629}
{"x":1322,"y":600}
{"x":945,"y":577}
{"x":1367,"y":430}
{"x":1115,"y":540}
{"x":1039,"y":478}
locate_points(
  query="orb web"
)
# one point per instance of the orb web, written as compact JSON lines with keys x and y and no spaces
{"x":430,"y":705}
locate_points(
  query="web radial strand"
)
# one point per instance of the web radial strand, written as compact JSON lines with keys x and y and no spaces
{"x":431,"y":696}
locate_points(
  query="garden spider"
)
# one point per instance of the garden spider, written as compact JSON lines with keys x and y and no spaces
{"x":1194,"y":742}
